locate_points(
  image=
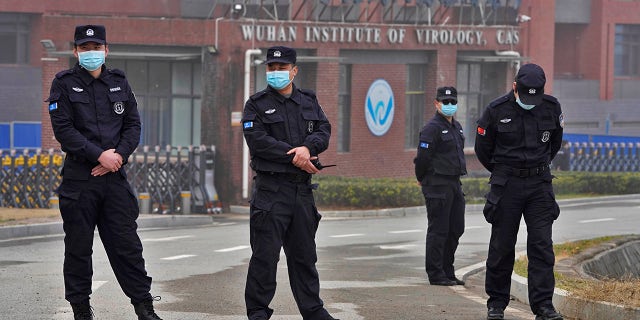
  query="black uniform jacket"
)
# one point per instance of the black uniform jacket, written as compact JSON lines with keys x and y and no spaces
{"x":441,"y":150}
{"x":90,"y":115}
{"x":274,"y":124}
{"x":518,"y":138}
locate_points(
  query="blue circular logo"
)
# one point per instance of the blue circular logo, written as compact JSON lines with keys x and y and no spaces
{"x":379,"y":107}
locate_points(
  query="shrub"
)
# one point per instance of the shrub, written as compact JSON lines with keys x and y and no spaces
{"x":364,"y":193}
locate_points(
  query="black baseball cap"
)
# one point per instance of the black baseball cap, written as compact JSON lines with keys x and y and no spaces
{"x":530,"y":82}
{"x":281,"y":54}
{"x":444,"y":93}
{"x":90,"y":33}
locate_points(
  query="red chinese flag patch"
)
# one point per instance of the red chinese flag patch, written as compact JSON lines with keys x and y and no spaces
{"x":481,"y":131}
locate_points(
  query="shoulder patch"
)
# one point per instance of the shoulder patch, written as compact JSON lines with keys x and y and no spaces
{"x":308,"y":92}
{"x":64,"y":73}
{"x":551,"y":99}
{"x":117,"y":71}
{"x":499,"y":101}
{"x":257,"y":95}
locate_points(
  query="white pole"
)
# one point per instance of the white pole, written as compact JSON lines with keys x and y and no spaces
{"x":245,"y":147}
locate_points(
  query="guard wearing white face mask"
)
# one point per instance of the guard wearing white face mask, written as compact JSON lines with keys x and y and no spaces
{"x":94,"y":115}
{"x":285,"y":129}
{"x":517,"y":137}
{"x":438,"y":166}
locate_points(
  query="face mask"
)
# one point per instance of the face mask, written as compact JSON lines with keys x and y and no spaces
{"x":525,"y":106}
{"x":278,"y":79}
{"x":449,"y":109}
{"x":91,"y":60}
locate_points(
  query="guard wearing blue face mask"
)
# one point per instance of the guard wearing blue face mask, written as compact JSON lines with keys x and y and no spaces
{"x":517,"y":137}
{"x":94,"y":115}
{"x":438,"y":166}
{"x":285,"y":129}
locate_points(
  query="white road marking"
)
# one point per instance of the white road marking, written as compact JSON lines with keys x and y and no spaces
{"x":236,"y":248}
{"x":596,"y":220}
{"x":347,"y":235}
{"x":96,"y":284}
{"x":407,"y":231}
{"x":474,"y":227}
{"x":166,"y":239}
{"x":400,"y":246}
{"x":182,"y":256}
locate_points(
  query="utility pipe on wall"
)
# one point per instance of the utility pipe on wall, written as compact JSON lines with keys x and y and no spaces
{"x":245,"y":148}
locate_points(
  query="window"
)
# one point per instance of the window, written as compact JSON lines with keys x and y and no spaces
{"x":627,"y":50}
{"x":344,"y":109}
{"x":14,"y":36}
{"x":169,"y":99}
{"x":415,"y":104}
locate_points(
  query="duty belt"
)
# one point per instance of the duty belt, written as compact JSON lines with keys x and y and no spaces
{"x":523,"y":172}
{"x":288,"y":176}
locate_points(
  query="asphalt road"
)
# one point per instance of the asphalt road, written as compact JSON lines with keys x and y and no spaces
{"x":370,"y":268}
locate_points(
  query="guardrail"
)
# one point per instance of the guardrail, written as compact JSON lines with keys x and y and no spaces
{"x":604,"y":157}
{"x":169,"y":180}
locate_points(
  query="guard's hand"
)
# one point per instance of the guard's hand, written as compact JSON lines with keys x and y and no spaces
{"x":302,"y":159}
{"x":99,"y":170}
{"x":110,"y":160}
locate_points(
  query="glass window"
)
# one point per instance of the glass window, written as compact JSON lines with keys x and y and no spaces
{"x":415,"y":104}
{"x":344,"y":109}
{"x":181,"y":78}
{"x":14,"y":36}
{"x":627,"y":50}
{"x":168,"y":99}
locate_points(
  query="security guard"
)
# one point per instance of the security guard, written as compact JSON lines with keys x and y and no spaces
{"x":438,"y":166}
{"x":517,"y":137}
{"x":95,"y":118}
{"x":285,"y":129}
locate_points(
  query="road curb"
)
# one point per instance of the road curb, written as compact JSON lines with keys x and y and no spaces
{"x":574,"y":307}
{"x":144,"y":222}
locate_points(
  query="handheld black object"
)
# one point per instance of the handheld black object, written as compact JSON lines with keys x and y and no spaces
{"x":320,"y":166}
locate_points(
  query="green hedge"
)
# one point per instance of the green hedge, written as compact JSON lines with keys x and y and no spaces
{"x":363,"y":193}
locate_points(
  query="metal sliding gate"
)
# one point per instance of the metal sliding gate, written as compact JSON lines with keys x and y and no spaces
{"x":169,"y":180}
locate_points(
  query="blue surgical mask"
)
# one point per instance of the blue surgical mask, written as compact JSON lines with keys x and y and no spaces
{"x":524,"y":106}
{"x":449,"y":109}
{"x":278,"y":79}
{"x":91,"y":60}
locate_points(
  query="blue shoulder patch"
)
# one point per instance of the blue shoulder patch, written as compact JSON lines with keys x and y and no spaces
{"x":247,"y":124}
{"x":424,"y":145}
{"x":53,"y":106}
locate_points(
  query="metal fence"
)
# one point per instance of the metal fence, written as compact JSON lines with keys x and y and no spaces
{"x":169,"y":180}
{"x":603,"y":157}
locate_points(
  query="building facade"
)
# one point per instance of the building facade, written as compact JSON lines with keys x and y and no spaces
{"x":375,"y":66}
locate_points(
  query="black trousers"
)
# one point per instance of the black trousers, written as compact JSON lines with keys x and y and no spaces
{"x":532,"y":198}
{"x":445,"y":217}
{"x":283,"y":214}
{"x":108,"y":203}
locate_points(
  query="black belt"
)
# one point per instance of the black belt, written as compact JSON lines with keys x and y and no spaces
{"x":523,"y":172}
{"x":288,"y":176}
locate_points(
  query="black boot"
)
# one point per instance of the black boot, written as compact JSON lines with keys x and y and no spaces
{"x":144,"y":310}
{"x":82,"y":311}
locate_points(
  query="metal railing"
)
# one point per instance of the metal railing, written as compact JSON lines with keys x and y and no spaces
{"x":603,"y":157}
{"x":169,"y":180}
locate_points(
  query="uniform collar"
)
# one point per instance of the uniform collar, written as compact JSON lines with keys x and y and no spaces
{"x":295,"y":94}
{"x":85,"y":76}
{"x":443,"y":119}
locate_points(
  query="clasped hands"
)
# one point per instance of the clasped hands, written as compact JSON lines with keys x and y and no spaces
{"x":302,"y":159}
{"x":110,"y":161}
